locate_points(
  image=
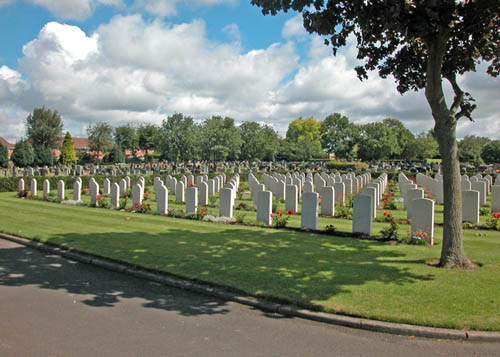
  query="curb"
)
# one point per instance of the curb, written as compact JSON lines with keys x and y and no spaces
{"x":261,"y":304}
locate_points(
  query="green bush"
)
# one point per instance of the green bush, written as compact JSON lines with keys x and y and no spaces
{"x":343,"y":166}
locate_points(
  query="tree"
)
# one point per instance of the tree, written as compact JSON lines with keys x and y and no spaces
{"x":115,"y":155}
{"x":43,"y":156}
{"x":419,"y":43}
{"x":100,"y":138}
{"x":259,"y":142}
{"x":23,"y":154}
{"x":491,"y":152}
{"x":378,"y":142}
{"x":178,"y":138}
{"x":306,"y":134}
{"x":146,"y":135}
{"x":4,"y":156}
{"x":44,"y":128}
{"x":470,"y":147}
{"x":426,"y":146}
{"x":126,"y":138}
{"x":404,"y":138}
{"x":68,"y":150}
{"x":340,"y":136}
{"x":220,"y":139}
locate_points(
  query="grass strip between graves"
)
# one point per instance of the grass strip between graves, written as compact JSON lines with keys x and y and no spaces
{"x":356,"y":277}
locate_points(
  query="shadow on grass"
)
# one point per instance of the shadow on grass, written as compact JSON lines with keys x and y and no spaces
{"x":282,"y":265}
{"x":23,"y":266}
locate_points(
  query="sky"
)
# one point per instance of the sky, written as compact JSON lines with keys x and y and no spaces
{"x":139,"y":61}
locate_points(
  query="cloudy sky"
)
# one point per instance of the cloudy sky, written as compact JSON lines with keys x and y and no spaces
{"x":139,"y":61}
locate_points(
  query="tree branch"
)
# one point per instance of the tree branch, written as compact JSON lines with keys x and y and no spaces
{"x":459,"y":94}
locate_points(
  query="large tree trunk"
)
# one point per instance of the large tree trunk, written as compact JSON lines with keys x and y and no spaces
{"x":452,"y":252}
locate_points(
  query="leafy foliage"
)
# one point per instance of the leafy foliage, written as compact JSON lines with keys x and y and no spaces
{"x":68,"y":150}
{"x":43,"y":156}
{"x":100,"y":138}
{"x":491,"y":152}
{"x":4,"y":156}
{"x":43,"y":128}
{"x":340,"y":136}
{"x":470,"y":147}
{"x":126,"y":138}
{"x":23,"y":154}
{"x":178,"y":138}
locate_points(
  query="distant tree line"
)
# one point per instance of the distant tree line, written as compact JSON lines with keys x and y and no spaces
{"x":181,"y":138}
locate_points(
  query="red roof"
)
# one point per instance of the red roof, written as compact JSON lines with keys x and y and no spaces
{"x":5,"y":143}
{"x":81,"y":143}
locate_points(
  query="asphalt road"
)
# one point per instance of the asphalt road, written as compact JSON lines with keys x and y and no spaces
{"x":50,"y":306}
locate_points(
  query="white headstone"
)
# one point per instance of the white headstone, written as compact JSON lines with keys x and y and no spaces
{"x":372,"y":192}
{"x":33,"y":190}
{"x":202,"y":193}
{"x":362,"y":213}
{"x":309,"y":211}
{"x":162,"y":199}
{"x":94,"y":191}
{"x":20,"y":185}
{"x":327,"y":201}
{"x":264,"y":207}
{"x":339,"y":188}
{"x":466,"y":185}
{"x":106,"y":187}
{"x":77,"y":190}
{"x":137,"y":194}
{"x":191,"y":199}
{"x":481,"y":187}
{"x":470,"y":206}
{"x":412,"y":194}
{"x":115,"y":195}
{"x":180,"y":192}
{"x":60,"y":190}
{"x":308,"y":187}
{"x":423,"y":218}
{"x":46,"y":189}
{"x":291,"y":199}
{"x":495,"y":198}
{"x":226,"y":203}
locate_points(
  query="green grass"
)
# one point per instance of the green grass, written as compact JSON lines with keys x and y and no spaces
{"x":345,"y":275}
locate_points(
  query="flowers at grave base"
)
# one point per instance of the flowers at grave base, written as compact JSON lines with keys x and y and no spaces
{"x":388,"y":194}
{"x":496,"y":215}
{"x":98,"y":196}
{"x":290,"y":212}
{"x":146,"y":194}
{"x":320,"y":197}
{"x":202,"y":212}
{"x":189,"y":184}
{"x":279,"y":221}
{"x":493,"y":222}
{"x":421,"y":237}
{"x":384,"y":201}
{"x":136,"y":204}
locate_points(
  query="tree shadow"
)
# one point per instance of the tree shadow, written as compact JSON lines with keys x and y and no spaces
{"x":22,"y":266}
{"x":283,"y":265}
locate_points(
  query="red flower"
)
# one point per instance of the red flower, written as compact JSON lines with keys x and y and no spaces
{"x":290,"y":212}
{"x":146,"y":194}
{"x":384,"y":201}
{"x":202,"y":212}
{"x":272,"y":215}
{"x":279,"y":213}
{"x":496,"y":215}
{"x":98,"y":196}
{"x":320,"y":197}
{"x":136,"y":203}
{"x":387,"y":214}
{"x":388,"y":194}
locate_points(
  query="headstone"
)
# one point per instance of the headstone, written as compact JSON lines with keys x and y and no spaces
{"x":180,"y":192}
{"x":291,"y":199}
{"x":339,"y":188}
{"x":495,"y":198}
{"x":362,"y":214}
{"x":264,"y":207}
{"x":202,"y":193}
{"x":106,"y":187}
{"x":470,"y":206}
{"x":191,"y":199}
{"x":481,"y":187}
{"x":137,"y":194}
{"x":466,"y":185}
{"x":60,"y":190}
{"x":327,"y":201}
{"x":77,"y":190}
{"x":372,"y":192}
{"x":33,"y":190}
{"x":226,"y":203}
{"x":309,"y":211}
{"x":94,"y":191}
{"x":115,"y":195}
{"x":256,"y":189}
{"x":211,"y":187}
{"x":46,"y":189}
{"x":423,"y":218}
{"x":162,"y":199}
{"x":412,"y":194}
{"x":308,"y":187}
{"x":20,"y":185}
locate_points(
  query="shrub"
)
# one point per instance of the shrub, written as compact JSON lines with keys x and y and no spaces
{"x":493,"y":222}
{"x":390,"y":232}
{"x":240,"y":217}
{"x":340,"y":165}
{"x":279,"y":220}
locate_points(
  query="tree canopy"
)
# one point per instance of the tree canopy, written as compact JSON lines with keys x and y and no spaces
{"x":44,"y":128}
{"x":68,"y":150}
{"x":4,"y":156}
{"x":23,"y":154}
{"x":100,"y":138}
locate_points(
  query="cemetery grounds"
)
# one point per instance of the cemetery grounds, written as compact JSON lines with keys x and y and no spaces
{"x":331,"y":272}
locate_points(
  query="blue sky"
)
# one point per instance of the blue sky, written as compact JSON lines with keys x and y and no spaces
{"x":138,"y":61}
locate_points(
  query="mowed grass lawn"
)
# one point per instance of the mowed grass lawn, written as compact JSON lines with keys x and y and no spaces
{"x":355,"y":277}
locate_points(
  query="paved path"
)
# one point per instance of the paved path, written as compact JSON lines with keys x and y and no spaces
{"x":50,"y":306}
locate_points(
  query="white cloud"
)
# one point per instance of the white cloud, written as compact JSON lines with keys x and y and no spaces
{"x":132,"y":71}
{"x":294,"y":28}
{"x":166,"y":8}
